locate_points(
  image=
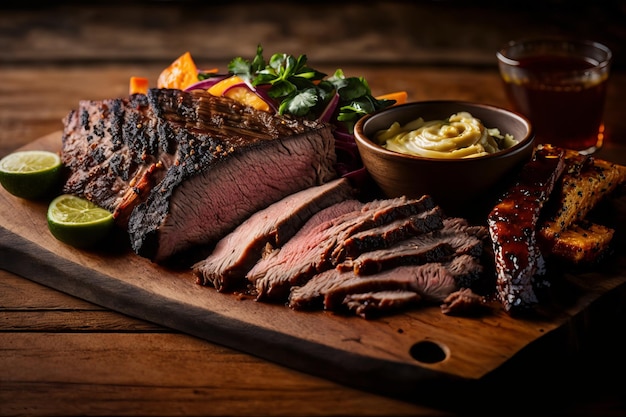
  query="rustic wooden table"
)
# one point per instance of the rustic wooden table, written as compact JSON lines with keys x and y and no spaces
{"x":60,"y":355}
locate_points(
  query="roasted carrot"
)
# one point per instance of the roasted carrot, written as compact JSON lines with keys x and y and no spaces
{"x":399,"y":96}
{"x":138,"y":85}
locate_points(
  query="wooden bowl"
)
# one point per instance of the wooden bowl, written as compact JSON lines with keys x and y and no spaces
{"x":461,"y":187}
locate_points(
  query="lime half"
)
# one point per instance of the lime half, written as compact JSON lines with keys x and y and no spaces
{"x":77,"y":221}
{"x":30,"y":174}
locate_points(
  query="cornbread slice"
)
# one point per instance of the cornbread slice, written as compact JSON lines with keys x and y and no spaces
{"x":565,"y":232}
{"x":582,"y":242}
{"x":586,"y":181}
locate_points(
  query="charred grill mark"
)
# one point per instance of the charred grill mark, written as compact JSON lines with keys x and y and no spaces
{"x":116,"y":124}
{"x":120,"y":166}
{"x":98,"y":154}
{"x":84,"y":118}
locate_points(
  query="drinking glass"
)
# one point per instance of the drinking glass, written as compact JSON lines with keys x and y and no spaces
{"x":560,"y":86}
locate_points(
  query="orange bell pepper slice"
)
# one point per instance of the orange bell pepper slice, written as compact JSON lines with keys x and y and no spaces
{"x":219,"y":88}
{"x":228,"y":88}
{"x":179,"y":74}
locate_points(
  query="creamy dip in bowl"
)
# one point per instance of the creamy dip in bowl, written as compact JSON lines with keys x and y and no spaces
{"x":464,"y":182}
{"x":459,"y":136}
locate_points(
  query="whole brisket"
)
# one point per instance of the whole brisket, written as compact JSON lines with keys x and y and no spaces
{"x":183,"y":169}
{"x":226,"y":267}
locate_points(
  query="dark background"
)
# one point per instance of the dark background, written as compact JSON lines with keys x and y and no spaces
{"x":446,"y":32}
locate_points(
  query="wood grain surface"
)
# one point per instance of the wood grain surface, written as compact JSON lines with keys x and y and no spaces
{"x":377,"y":355}
{"x":61,"y":355}
{"x":381,"y":356}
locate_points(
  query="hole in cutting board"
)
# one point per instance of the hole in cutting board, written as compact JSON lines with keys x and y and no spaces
{"x":427,"y":351}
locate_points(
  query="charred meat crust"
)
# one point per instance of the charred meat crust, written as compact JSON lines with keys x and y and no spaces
{"x":136,"y":156}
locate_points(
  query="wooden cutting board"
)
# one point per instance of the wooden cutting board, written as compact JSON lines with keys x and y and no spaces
{"x":396,"y":354}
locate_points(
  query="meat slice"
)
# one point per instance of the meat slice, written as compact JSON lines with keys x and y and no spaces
{"x":402,"y":278}
{"x":309,"y":251}
{"x":432,"y":281}
{"x":183,"y":169}
{"x":234,"y":255}
{"x":456,"y":237}
{"x":463,"y":302}
{"x":512,"y":226}
{"x":373,"y":304}
{"x":310,"y":296}
{"x":303,"y":242}
{"x":388,"y":234}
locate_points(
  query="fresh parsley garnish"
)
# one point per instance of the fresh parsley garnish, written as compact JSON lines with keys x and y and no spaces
{"x":305,"y":92}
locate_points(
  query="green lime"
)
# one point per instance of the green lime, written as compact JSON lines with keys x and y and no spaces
{"x":30,"y":174}
{"x":77,"y":221}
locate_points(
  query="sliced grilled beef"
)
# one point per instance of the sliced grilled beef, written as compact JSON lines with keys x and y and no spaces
{"x":414,"y":251}
{"x":184,"y":169}
{"x":310,"y":296}
{"x":295,"y":254}
{"x":432,"y":281}
{"x":454,"y":239}
{"x":309,"y":251}
{"x":237,"y":252}
{"x":373,"y":304}
{"x":463,"y":302}
{"x":388,"y":234}
{"x":349,"y":283}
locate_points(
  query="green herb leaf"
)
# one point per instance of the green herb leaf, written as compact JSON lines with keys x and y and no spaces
{"x":240,"y":67}
{"x":305,"y":92}
{"x":281,"y":89}
{"x":301,"y":103}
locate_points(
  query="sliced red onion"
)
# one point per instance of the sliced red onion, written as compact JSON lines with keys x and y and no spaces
{"x":349,"y":147}
{"x":208,"y":83}
{"x":348,"y":156}
{"x":342,"y":135}
{"x":262,"y":91}
{"x":330,"y":109}
{"x":359,"y":175}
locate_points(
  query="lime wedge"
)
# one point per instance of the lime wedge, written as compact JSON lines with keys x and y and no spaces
{"x":30,"y":174}
{"x":78,"y":222}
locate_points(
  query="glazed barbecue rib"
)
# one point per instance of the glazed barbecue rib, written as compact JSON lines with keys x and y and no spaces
{"x":512,"y":225}
{"x":181,"y":169}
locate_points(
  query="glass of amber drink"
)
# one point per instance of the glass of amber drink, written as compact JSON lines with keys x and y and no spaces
{"x":560,"y":86}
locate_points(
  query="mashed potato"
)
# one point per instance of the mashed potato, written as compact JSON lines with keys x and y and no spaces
{"x":460,"y":136}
